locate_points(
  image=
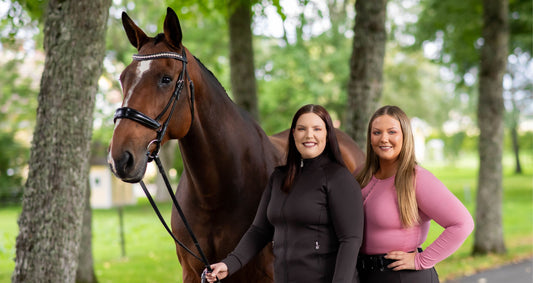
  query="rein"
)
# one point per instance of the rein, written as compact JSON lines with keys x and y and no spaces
{"x":143,"y":119}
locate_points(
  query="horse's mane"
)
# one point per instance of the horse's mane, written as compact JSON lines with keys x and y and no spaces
{"x":210,"y":74}
{"x":242,"y":112}
{"x":161,"y":37}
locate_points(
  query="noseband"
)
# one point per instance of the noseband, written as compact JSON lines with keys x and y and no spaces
{"x":145,"y":120}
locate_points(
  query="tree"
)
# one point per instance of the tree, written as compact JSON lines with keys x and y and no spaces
{"x":47,"y":246}
{"x":85,"y":271}
{"x":459,"y":29}
{"x":518,"y":96}
{"x":489,"y":236}
{"x":241,"y":55}
{"x":366,"y":66}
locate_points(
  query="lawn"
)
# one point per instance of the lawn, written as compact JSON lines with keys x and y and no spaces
{"x":150,"y":252}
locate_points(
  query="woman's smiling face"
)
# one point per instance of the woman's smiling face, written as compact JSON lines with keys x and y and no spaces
{"x":310,"y":135}
{"x":386,"y":138}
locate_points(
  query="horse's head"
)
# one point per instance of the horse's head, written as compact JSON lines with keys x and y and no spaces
{"x":157,"y":94}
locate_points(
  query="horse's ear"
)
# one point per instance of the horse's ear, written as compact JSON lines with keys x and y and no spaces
{"x":172,"y":28}
{"x":136,"y":36}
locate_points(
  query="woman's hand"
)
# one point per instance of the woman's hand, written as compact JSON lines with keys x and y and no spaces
{"x":404,"y":261}
{"x":220,"y":271}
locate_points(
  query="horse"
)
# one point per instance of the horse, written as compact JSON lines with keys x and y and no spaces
{"x":227,"y":157}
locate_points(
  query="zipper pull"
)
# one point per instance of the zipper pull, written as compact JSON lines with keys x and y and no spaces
{"x":317,"y":246}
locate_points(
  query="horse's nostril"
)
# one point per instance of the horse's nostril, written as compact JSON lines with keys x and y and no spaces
{"x":125,"y":163}
{"x":129,"y":159}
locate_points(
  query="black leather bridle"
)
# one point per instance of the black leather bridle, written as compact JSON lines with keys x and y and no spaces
{"x":154,"y":124}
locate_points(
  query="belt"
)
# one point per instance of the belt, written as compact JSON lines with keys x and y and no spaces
{"x":374,"y":262}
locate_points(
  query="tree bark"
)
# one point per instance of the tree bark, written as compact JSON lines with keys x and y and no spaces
{"x":516,"y":149}
{"x":366,"y":67}
{"x":48,"y":244}
{"x":515,"y":115}
{"x":85,"y":272}
{"x":489,"y":233}
{"x":241,"y":56}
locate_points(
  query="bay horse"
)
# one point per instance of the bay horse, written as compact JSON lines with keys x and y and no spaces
{"x":227,"y":157}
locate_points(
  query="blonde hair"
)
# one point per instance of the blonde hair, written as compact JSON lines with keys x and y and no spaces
{"x":404,"y":180}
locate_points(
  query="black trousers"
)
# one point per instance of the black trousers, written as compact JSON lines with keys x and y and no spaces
{"x":402,"y":276}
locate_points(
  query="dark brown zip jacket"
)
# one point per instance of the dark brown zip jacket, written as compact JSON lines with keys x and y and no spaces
{"x":316,"y":228}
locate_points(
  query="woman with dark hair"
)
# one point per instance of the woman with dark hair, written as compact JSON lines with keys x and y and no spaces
{"x":400,"y":198}
{"x":311,"y":210}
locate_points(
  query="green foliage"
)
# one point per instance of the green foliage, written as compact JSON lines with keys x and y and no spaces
{"x":525,"y":141}
{"x":34,"y":8}
{"x":17,"y":115}
{"x":12,"y":161}
{"x":414,"y":84}
{"x":521,"y":25}
{"x":21,"y":21}
{"x":284,"y":86}
{"x":446,"y":23}
{"x":455,"y":25}
{"x":18,"y":98}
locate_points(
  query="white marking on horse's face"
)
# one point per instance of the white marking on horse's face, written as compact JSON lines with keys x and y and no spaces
{"x":142,"y":67}
{"x":111,"y":161}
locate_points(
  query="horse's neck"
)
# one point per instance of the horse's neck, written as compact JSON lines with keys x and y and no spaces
{"x":223,"y":146}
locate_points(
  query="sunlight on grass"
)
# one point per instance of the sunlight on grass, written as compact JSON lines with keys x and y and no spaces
{"x":150,"y":252}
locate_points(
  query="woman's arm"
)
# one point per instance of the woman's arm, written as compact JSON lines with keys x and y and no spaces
{"x":345,"y":206}
{"x":438,"y":203}
{"x":254,"y":240}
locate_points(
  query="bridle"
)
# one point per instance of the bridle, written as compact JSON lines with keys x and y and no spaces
{"x":154,"y":124}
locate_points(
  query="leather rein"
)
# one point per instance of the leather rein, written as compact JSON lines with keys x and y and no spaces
{"x":154,"y":124}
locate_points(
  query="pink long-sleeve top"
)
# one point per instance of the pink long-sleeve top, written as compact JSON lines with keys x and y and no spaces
{"x":384,"y":233}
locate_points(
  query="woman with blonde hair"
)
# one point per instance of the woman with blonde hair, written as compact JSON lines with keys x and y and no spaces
{"x":400,"y":198}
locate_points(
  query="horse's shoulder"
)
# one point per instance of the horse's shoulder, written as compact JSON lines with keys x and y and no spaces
{"x":280,"y":142}
{"x":352,"y":154}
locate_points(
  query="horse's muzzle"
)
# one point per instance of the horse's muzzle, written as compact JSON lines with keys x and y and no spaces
{"x":126,"y":168}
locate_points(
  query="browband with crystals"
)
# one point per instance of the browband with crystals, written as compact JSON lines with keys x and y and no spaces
{"x":171,"y":55}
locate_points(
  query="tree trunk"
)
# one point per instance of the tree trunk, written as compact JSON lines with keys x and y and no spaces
{"x":516,"y":149}
{"x":47,"y":246}
{"x":241,"y":56}
{"x":366,"y":66}
{"x":489,"y":234}
{"x":515,"y":116}
{"x":85,"y":271}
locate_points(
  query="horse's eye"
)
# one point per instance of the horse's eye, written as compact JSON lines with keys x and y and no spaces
{"x":166,"y":80}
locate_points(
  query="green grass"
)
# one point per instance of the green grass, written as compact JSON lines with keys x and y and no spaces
{"x":150,"y":252}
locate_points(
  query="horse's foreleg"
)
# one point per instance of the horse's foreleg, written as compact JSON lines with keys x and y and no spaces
{"x":189,"y":266}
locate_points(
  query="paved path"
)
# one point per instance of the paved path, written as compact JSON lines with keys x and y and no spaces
{"x":515,"y":273}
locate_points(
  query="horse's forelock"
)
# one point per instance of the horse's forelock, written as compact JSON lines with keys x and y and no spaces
{"x":158,"y":38}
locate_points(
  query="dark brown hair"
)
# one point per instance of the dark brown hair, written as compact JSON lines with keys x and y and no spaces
{"x":293,"y":155}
